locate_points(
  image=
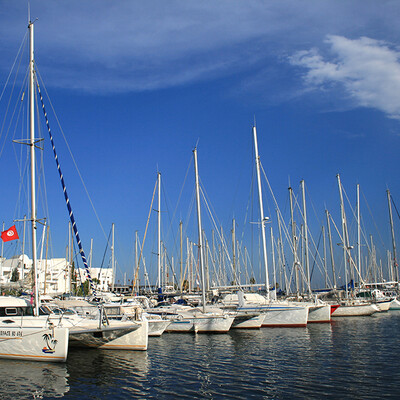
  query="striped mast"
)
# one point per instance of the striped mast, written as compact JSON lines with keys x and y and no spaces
{"x":70,"y":213}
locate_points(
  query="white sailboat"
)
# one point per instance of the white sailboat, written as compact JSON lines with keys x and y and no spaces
{"x":24,"y":334}
{"x":349,"y":306}
{"x":277,"y":313}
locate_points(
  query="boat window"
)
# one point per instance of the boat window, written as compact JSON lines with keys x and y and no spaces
{"x":11,"y":311}
{"x":43,"y":310}
{"x":27,"y":310}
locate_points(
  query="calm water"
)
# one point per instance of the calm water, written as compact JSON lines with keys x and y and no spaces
{"x":350,"y":358}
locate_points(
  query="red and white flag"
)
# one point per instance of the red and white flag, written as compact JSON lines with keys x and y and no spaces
{"x":9,"y":234}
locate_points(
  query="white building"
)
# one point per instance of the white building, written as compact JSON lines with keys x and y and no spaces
{"x":54,"y":275}
{"x":104,"y":276}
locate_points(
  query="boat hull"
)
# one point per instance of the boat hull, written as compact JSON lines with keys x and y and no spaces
{"x":248,"y":321}
{"x":34,"y":343}
{"x":319,"y":314}
{"x":383,"y":305}
{"x":356,"y":310}
{"x":180,"y":326}
{"x":285,"y":316}
{"x":395,"y":305}
{"x":135,"y":340}
{"x":157,"y":327}
{"x":89,"y":334}
{"x":213,"y":324}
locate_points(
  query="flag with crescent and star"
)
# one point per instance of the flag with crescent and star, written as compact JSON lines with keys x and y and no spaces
{"x":9,"y":234}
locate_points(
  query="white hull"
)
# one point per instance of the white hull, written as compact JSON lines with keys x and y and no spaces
{"x":201,"y":324}
{"x":254,"y":322}
{"x":136,"y":340}
{"x":383,"y":305}
{"x":355,"y":310}
{"x":285,"y":316}
{"x":276,"y":313}
{"x":319,"y":314}
{"x":182,"y":326}
{"x":158,"y":326}
{"x":35,"y":343}
{"x":88,"y":333}
{"x":212,"y":324}
{"x":395,"y":305}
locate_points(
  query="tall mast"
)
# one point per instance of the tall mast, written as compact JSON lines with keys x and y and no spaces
{"x":23,"y":250}
{"x":296,"y":262}
{"x":273,"y":262}
{"x":32,"y":154}
{"x":306,"y":237}
{"x":325,"y":265}
{"x":344,"y":237}
{"x":331,"y":248}
{"x":262,"y":218}
{"x":136,"y":251}
{"x":358,"y":230}
{"x":200,"y":244}
{"x":113,"y":256}
{"x":234,"y":252}
{"x":181,"y":259}
{"x":159,"y":232}
{"x":395,"y":265}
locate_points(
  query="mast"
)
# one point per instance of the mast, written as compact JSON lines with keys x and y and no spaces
{"x":325,"y":265}
{"x":331,"y":248}
{"x":159,"y":232}
{"x":263,"y":219}
{"x":395,"y":265}
{"x":23,"y":250}
{"x":358,"y":230}
{"x":181,"y":260}
{"x":234,"y":252}
{"x":273,"y":262}
{"x":136,"y":251}
{"x":281,"y":254}
{"x":112,"y":256}
{"x":344,"y":237}
{"x":296,"y":262}
{"x":33,"y":161}
{"x":306,"y":237}
{"x":200,"y":244}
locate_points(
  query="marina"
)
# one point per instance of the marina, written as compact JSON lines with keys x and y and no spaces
{"x":246,"y":282}
{"x":350,"y":358}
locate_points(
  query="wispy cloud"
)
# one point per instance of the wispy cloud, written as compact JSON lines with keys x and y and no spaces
{"x":367,"y":69}
{"x":124,"y":46}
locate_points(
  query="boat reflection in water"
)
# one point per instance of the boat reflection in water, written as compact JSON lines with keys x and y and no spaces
{"x":116,"y":374}
{"x":32,"y":380}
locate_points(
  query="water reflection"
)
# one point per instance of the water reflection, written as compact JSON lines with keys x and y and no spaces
{"x":350,"y":358}
{"x":32,"y":380}
{"x":109,"y":374}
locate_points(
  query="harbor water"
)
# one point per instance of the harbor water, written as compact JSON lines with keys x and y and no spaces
{"x":350,"y":358}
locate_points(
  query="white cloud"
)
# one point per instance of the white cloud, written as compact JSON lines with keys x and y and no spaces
{"x":368,"y":70}
{"x":122,"y":46}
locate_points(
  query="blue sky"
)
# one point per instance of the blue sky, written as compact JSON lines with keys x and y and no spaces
{"x":136,"y":85}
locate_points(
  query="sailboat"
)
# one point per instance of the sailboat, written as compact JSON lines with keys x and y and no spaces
{"x":24,"y":333}
{"x":21,"y":321}
{"x":277,"y":313}
{"x":204,"y":318}
{"x":350,"y":307}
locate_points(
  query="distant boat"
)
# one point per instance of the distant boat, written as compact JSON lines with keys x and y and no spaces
{"x":355,"y":309}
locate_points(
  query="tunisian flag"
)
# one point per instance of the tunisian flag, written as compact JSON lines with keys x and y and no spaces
{"x":9,"y":234}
